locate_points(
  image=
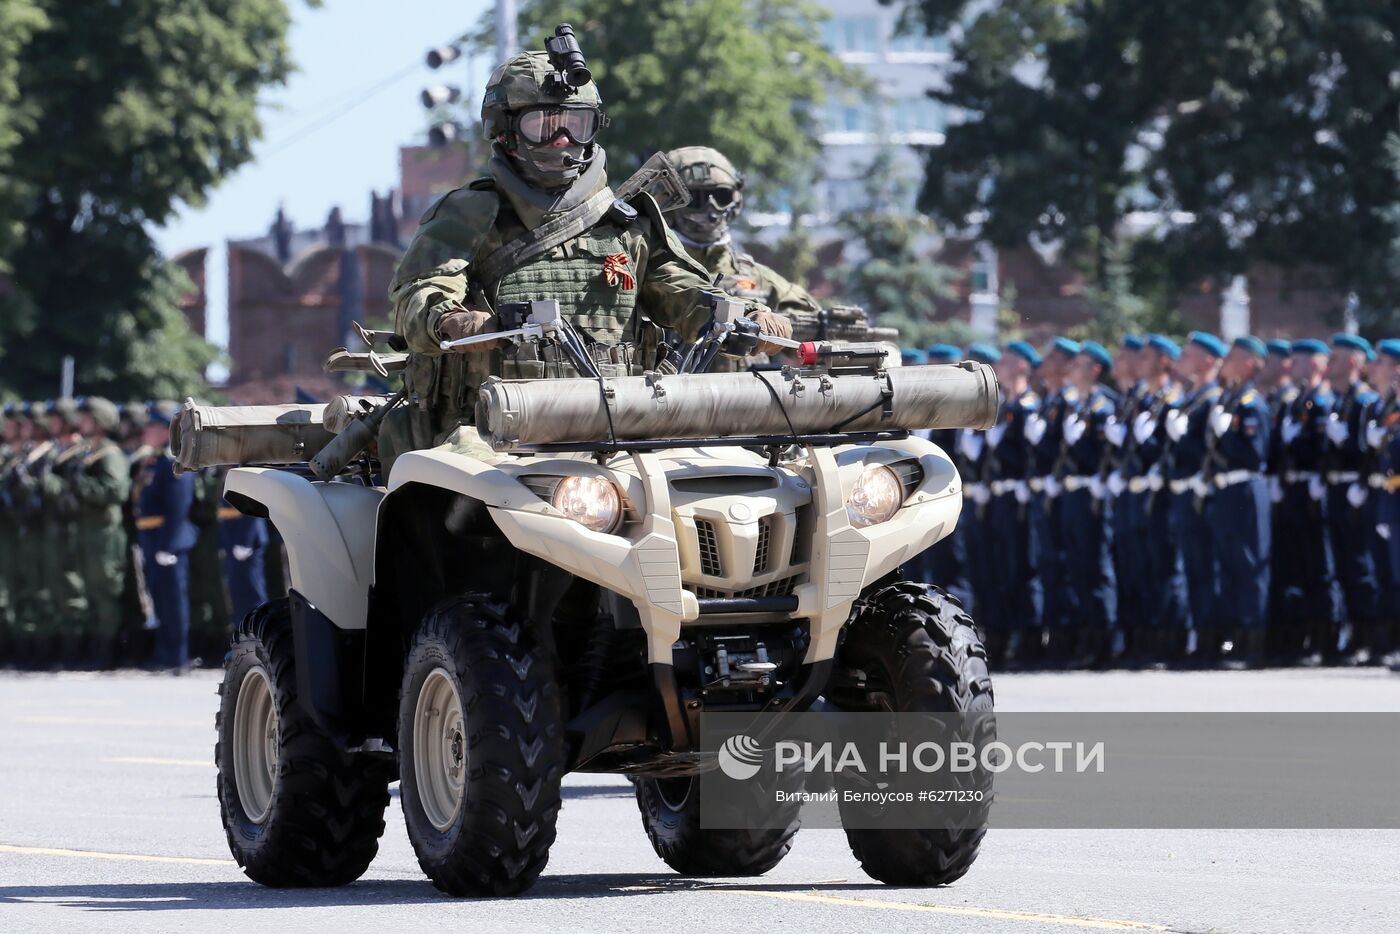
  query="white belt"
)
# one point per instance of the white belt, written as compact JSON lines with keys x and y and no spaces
{"x":1300,"y":476}
{"x":1143,"y":484}
{"x":1376,"y":481}
{"x":1337,"y":477}
{"x":1037,"y":484}
{"x":1075,"y":484}
{"x":1187,"y":485}
{"x":1002,"y":487}
{"x":1232,"y":477}
{"x":972,"y":488}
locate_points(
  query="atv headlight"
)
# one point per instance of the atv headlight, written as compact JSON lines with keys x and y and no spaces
{"x":876,"y":497}
{"x":592,"y":502}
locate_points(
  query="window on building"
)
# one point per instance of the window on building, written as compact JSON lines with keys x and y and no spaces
{"x":917,"y":115}
{"x":919,"y":42}
{"x":853,"y":34}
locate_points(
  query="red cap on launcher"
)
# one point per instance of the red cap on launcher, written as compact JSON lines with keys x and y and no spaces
{"x":807,"y":353}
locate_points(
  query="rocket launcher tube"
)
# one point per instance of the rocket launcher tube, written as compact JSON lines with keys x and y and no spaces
{"x":716,"y":405}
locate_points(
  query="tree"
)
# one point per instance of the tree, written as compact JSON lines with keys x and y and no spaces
{"x":1257,"y":128}
{"x":743,"y":76}
{"x":18,"y":21}
{"x":894,"y":276}
{"x":134,"y":108}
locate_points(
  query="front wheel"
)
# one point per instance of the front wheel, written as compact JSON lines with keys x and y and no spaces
{"x":297,"y":809}
{"x":671,"y":815}
{"x":481,"y":749}
{"x":918,"y":652}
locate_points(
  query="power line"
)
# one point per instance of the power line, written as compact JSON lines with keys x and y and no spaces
{"x":360,"y":98}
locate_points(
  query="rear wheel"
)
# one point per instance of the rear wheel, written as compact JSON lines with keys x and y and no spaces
{"x":481,"y":749}
{"x":297,"y":809}
{"x":918,"y":652}
{"x":671,"y":815}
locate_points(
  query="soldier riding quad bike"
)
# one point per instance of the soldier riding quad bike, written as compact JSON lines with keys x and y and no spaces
{"x":497,"y":581}
{"x":482,"y":622}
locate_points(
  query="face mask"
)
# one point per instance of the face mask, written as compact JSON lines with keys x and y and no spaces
{"x":706,"y":219}
{"x":550,"y":168}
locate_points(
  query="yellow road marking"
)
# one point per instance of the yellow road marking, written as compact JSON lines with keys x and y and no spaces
{"x":996,"y":914}
{"x":120,"y":857}
{"x":148,"y":760}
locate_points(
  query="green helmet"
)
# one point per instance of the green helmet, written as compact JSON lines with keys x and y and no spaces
{"x":524,"y":82}
{"x":703,"y":167}
{"x":103,"y":411}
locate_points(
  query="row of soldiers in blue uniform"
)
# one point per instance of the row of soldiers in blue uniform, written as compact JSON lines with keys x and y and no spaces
{"x":1182,"y":504}
{"x":97,"y":538}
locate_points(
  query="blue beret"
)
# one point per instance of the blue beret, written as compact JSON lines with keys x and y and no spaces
{"x":1165,"y":346}
{"x":1025,"y":351}
{"x":944,"y":353}
{"x":1097,"y":352}
{"x":1064,"y":345}
{"x":1280,"y":347}
{"x":162,"y":412}
{"x":1352,"y":342}
{"x":1252,"y":344}
{"x":1132,"y":342}
{"x":983,"y":353}
{"x":1390,"y":347}
{"x":912,"y":356}
{"x":1311,"y":345}
{"x":1207,"y":342}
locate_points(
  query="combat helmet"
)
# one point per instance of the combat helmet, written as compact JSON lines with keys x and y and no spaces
{"x":716,"y":194}
{"x":527,"y":82}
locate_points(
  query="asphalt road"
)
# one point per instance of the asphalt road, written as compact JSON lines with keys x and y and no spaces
{"x":108,"y":822}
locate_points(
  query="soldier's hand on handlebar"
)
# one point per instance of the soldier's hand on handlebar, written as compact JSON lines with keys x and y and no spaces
{"x":467,"y":322}
{"x":770,"y":323}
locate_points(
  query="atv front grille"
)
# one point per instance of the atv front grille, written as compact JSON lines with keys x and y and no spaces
{"x":778,"y":588}
{"x":710,"y":564}
{"x":765,"y":534}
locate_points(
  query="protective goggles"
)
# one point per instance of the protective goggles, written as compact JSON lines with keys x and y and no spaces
{"x":541,"y":125}
{"x":718,"y":198}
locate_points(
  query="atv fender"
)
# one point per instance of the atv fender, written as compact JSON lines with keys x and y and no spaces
{"x":329,"y":530}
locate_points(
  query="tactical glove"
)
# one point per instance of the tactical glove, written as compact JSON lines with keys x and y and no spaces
{"x":770,"y":323}
{"x":1220,"y":420}
{"x":455,"y":325}
{"x":1144,"y":427}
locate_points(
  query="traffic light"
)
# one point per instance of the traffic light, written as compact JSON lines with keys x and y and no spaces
{"x":442,"y":55}
{"x":440,"y":95}
{"x":440,"y":134}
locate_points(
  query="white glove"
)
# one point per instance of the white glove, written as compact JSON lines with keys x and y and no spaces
{"x":1275,"y":490}
{"x":1375,"y":435}
{"x":981,"y":495}
{"x":1177,"y":423}
{"x":995,"y":434}
{"x":1356,"y":495}
{"x":1074,"y":429}
{"x":1383,"y":531}
{"x":166,"y":560}
{"x":1337,"y":431}
{"x":1052,"y":487}
{"x":1022,"y":491}
{"x":1144,"y":427}
{"x":970,"y":443}
{"x":1220,"y":420}
{"x":1290,"y":430}
{"x":1116,"y":485}
{"x":1316,"y":489}
{"x":1035,"y":429}
{"x":1096,"y":487}
{"x":1199,"y":486}
{"x":1116,"y":432}
{"x":242,"y":552}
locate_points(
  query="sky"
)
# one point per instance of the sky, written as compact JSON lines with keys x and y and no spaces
{"x":332,"y":134}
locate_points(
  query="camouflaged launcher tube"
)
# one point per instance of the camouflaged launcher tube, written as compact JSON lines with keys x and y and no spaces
{"x":236,"y":435}
{"x":705,"y":405}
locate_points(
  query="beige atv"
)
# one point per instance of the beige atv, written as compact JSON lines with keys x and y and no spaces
{"x":570,"y":589}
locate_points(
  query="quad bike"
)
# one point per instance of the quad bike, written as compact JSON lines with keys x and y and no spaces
{"x":635,"y":552}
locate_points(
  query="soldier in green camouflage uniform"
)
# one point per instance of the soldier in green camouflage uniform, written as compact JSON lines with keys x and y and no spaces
{"x":618,"y":275}
{"x":33,"y":598}
{"x":716,"y":198}
{"x":102,"y":485}
{"x":59,"y":531}
{"x":9,"y":534}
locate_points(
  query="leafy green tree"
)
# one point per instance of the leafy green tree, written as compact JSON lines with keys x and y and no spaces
{"x":135,"y":108}
{"x":896,"y":279}
{"x":18,"y":21}
{"x":1259,"y":128}
{"x":743,"y":76}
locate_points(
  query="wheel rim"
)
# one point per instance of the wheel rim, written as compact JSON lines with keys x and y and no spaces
{"x":439,"y":749}
{"x":255,"y":744}
{"x":675,"y":792}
